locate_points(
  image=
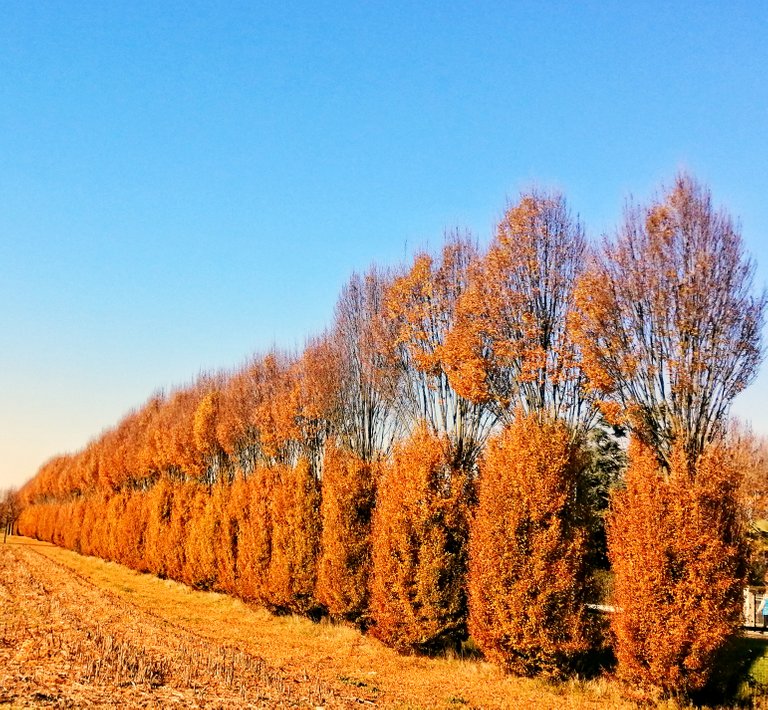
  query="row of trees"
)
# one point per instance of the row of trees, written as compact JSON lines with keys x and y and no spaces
{"x":438,"y":461}
{"x":10,"y":510}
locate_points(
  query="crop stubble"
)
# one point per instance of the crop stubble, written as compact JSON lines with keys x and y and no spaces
{"x":65,"y":642}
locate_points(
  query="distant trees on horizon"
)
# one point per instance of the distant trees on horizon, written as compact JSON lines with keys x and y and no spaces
{"x":440,"y":461}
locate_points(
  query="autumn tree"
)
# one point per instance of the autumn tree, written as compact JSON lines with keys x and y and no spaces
{"x":677,"y":551}
{"x":124,"y":528}
{"x":364,"y":425}
{"x":420,"y":526}
{"x":131,"y":529}
{"x":113,"y":514}
{"x":175,"y":542}
{"x":159,"y":507}
{"x":668,"y":322}
{"x":251,"y":501}
{"x":92,"y":522}
{"x":95,"y":538}
{"x":363,"y":338}
{"x":71,"y":536}
{"x":237,"y":423}
{"x":226,"y":534}
{"x":146,"y":460}
{"x":751,"y":451}
{"x":528,"y":580}
{"x":510,"y":350}
{"x":113,"y":469}
{"x":751,"y":454}
{"x":90,"y":465}
{"x":418,"y":597}
{"x":275,"y":410}
{"x":511,"y":346}
{"x":200,"y":567}
{"x":295,"y":539}
{"x":670,"y":332}
{"x":10,"y":510}
{"x":348,"y":498}
{"x":174,"y":430}
{"x":204,"y":431}
{"x":29,"y":521}
{"x":422,"y":303}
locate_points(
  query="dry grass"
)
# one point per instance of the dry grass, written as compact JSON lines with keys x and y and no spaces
{"x":97,"y":628}
{"x":65,"y":642}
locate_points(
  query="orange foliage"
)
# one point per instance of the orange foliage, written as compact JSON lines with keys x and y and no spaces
{"x":93,"y":519}
{"x":204,"y":431}
{"x":236,"y":428}
{"x":134,"y":530}
{"x":349,"y":487}
{"x":180,"y":447}
{"x":112,"y":455}
{"x":73,"y":525}
{"x":667,"y":322}
{"x":32,"y":521}
{"x":115,"y":512}
{"x":28,"y":519}
{"x":418,"y":601}
{"x":174,"y":542}
{"x":528,"y":579}
{"x":752,"y":455}
{"x":295,"y":539}
{"x":423,"y":304}
{"x":145,"y":462}
{"x":275,"y":409}
{"x":252,"y":502}
{"x":95,"y":538}
{"x":225,"y":536}
{"x":676,"y":548}
{"x":510,"y":345}
{"x":159,"y":502}
{"x":131,"y":529}
{"x":200,"y":566}
{"x":315,"y":395}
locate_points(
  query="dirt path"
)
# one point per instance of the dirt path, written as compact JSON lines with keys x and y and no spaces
{"x":77,"y":630}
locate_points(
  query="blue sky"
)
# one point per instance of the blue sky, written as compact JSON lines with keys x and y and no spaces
{"x":183,"y":184}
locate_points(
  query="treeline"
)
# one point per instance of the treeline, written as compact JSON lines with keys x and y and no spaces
{"x":437,"y":463}
{"x":10,"y":510}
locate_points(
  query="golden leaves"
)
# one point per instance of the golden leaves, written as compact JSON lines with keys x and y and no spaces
{"x":676,"y":548}
{"x":513,"y":316}
{"x":349,"y":487}
{"x":419,"y":547}
{"x":528,"y":578}
{"x":665,"y":319}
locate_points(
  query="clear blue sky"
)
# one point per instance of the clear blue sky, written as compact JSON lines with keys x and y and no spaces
{"x":183,"y":184}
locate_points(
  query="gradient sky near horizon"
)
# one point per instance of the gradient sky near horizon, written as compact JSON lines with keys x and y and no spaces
{"x":183,"y":184}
